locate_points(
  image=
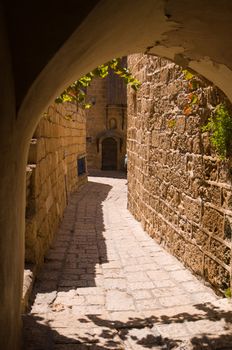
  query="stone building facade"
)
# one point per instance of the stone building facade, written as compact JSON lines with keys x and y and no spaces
{"x":178,"y":187}
{"x":56,"y":168}
{"x":106,"y":124}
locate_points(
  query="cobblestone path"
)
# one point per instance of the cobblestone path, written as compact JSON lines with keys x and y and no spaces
{"x":106,"y":284}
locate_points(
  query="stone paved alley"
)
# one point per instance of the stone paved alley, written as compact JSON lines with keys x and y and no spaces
{"x":106,"y":284}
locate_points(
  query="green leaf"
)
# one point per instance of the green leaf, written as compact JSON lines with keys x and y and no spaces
{"x":194,"y":84}
{"x":87,"y":105}
{"x":194,"y":99}
{"x":227,"y":293}
{"x":188,"y":75}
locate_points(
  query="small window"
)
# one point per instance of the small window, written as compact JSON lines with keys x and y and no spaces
{"x":89,"y":139}
{"x":81,"y":166}
{"x":113,"y":123}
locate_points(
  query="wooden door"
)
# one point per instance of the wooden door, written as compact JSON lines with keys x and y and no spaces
{"x":109,"y":154}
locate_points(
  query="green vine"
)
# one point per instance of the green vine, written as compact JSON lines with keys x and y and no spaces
{"x":76,"y":92}
{"x":227,"y":293}
{"x":193,"y":81}
{"x":220,"y":128}
{"x":187,"y":74}
{"x":193,"y":85}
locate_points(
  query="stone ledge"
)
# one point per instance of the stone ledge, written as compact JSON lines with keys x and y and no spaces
{"x":28,"y":281}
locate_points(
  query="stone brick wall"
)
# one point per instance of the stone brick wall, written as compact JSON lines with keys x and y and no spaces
{"x":178,"y":187}
{"x":52,"y":174}
{"x":104,"y":121}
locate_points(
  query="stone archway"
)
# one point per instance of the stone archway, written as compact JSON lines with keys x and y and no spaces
{"x":180,"y":31}
{"x":109,"y":154}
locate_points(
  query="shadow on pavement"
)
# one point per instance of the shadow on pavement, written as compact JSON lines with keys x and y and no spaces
{"x":101,"y":333}
{"x":79,"y":246}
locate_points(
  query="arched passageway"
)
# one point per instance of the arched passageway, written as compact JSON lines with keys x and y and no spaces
{"x":193,"y":34}
{"x":109,"y":154}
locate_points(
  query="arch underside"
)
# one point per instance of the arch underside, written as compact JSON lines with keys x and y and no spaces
{"x":194,"y":35}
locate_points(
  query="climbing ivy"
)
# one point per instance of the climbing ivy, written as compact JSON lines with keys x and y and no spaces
{"x":193,"y":81}
{"x":227,"y":293}
{"x":193,"y":85}
{"x":187,"y":74}
{"x":219,"y":124}
{"x":76,"y":92}
{"x":220,"y":127}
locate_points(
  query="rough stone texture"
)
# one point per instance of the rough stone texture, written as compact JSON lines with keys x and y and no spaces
{"x":160,"y":305}
{"x":52,"y":174}
{"x":178,"y":187}
{"x":105,"y":120}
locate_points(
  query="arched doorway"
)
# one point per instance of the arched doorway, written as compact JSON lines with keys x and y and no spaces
{"x":109,"y":154}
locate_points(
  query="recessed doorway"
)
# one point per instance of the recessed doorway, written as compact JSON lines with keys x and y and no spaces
{"x":109,"y":154}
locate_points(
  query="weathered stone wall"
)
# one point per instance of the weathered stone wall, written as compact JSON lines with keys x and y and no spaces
{"x":99,"y":125}
{"x":52,"y":174}
{"x":178,"y":187}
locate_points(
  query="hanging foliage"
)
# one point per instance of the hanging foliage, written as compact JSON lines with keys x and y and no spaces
{"x":220,"y":128}
{"x":76,"y":92}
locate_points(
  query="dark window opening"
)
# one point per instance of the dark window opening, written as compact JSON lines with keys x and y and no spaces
{"x":89,"y":139}
{"x":81,"y":169}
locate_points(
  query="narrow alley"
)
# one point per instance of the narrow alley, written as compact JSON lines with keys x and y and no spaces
{"x":106,"y":284}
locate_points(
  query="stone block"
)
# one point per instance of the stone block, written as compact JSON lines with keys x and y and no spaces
{"x":220,"y":251}
{"x":213,"y":221}
{"x":200,"y":238}
{"x":119,"y":301}
{"x":180,"y":124}
{"x":228,"y":228}
{"x":193,"y":258}
{"x":192,"y":208}
{"x":192,"y":124}
{"x":178,"y":246}
{"x":196,"y":144}
{"x":210,"y":167}
{"x":185,"y":226}
{"x":226,"y":198}
{"x":216,"y":274}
